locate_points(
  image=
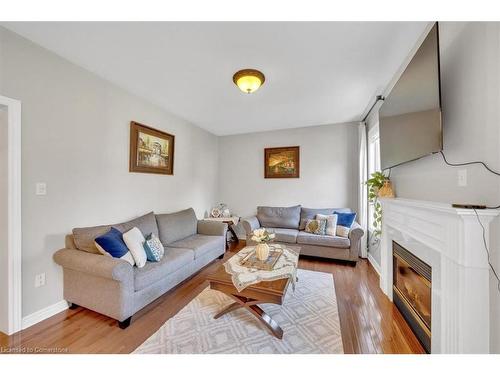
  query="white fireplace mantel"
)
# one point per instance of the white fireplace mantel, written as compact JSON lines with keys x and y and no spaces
{"x":450,"y":240}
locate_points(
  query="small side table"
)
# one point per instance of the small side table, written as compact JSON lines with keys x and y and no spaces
{"x":231,"y":222}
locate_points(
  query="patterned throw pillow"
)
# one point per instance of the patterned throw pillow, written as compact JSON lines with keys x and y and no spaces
{"x":153,"y":248}
{"x":316,"y":226}
{"x":331,"y":223}
{"x":344,"y":223}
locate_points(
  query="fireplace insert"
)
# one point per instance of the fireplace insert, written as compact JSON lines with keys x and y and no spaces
{"x":412,"y":289}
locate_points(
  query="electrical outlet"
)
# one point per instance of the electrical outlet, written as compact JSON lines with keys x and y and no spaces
{"x":39,"y":280}
{"x":41,"y":188}
{"x":462,"y":177}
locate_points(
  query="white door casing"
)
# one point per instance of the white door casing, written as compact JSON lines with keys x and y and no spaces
{"x":13,"y":266}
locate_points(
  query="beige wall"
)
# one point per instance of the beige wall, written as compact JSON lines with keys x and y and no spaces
{"x":75,"y":137}
{"x":3,"y":221}
{"x":470,"y":74}
{"x":328,"y":169}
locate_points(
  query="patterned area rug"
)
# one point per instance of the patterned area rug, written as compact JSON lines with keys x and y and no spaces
{"x":309,"y":318}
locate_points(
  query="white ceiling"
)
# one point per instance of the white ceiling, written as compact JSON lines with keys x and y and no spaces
{"x":316,"y":72}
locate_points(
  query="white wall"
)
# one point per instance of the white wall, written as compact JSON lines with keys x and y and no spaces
{"x":75,"y":137}
{"x":470,"y":73}
{"x":328,"y":169}
{"x":3,"y":222}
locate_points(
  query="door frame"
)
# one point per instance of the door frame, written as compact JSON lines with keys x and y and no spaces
{"x":14,"y":246}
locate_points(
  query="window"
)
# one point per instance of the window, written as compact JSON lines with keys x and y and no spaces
{"x":373,"y":164}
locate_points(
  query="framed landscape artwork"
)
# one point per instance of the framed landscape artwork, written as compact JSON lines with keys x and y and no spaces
{"x":151,"y":150}
{"x":282,"y":162}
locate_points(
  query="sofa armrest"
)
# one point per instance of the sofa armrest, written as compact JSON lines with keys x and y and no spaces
{"x":356,"y":231}
{"x":95,"y":264}
{"x":250,"y":224}
{"x":355,"y":235}
{"x":212,"y":228}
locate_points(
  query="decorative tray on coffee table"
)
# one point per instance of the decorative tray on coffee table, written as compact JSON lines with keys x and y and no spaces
{"x":251,"y":261}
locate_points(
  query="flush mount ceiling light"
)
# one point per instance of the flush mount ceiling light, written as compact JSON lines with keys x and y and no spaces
{"x":248,"y":80}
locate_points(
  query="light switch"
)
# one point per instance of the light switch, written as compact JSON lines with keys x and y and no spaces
{"x":41,"y":188}
{"x":462,"y":177}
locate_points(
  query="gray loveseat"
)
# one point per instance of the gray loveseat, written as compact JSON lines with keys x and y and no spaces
{"x":288,"y":223}
{"x":113,"y":287}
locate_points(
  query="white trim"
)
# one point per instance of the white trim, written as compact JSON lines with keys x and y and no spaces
{"x":14,"y":213}
{"x":373,"y":165}
{"x":451,"y":241}
{"x":444,"y":208}
{"x":44,"y":313}
{"x":374,"y":263}
{"x":362,"y":188}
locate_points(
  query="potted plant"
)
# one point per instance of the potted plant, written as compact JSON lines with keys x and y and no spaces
{"x":379,"y":185}
{"x":262,"y":237}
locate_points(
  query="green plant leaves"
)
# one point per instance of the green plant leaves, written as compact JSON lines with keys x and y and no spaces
{"x":374,"y":183}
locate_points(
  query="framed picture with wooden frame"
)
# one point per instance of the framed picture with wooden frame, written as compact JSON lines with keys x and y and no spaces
{"x":151,"y":150}
{"x":282,"y":162}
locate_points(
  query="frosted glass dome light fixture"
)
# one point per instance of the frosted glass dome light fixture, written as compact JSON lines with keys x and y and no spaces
{"x":248,"y":80}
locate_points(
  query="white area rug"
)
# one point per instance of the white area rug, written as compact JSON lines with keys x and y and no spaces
{"x":309,"y":318}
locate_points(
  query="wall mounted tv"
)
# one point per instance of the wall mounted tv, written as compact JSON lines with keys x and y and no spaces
{"x":410,"y":122}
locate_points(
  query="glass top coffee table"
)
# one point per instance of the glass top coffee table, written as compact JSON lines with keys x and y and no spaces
{"x":250,"y":297}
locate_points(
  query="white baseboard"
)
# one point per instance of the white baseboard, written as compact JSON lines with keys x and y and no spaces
{"x":374,"y":263}
{"x":43,"y":314}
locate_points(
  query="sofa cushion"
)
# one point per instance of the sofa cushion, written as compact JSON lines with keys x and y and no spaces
{"x":319,"y":240}
{"x":84,"y":237}
{"x":134,"y":240}
{"x":284,"y":234}
{"x":145,"y":223}
{"x":344,"y":223}
{"x":176,"y":226}
{"x":154,"y":248}
{"x":310,"y":213}
{"x":279,"y":217}
{"x":201,"y":244}
{"x":331,"y":223}
{"x":173,"y":260}
{"x":316,"y":226}
{"x":112,"y":244}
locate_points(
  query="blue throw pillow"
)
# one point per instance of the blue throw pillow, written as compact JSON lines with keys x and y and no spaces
{"x":345,"y":219}
{"x":153,"y":248}
{"x":112,"y":244}
{"x":344,"y":223}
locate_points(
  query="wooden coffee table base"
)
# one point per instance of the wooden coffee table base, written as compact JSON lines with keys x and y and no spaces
{"x":251,"y":305}
{"x":250,"y":297}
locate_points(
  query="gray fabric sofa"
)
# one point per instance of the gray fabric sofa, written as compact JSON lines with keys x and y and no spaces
{"x":288,"y":223}
{"x":113,"y":287}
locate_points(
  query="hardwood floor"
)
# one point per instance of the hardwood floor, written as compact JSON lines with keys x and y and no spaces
{"x":370,"y":323}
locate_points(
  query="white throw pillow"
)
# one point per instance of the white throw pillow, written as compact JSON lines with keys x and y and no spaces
{"x":134,"y":240}
{"x":343,"y":231}
{"x":331,"y":223}
{"x":128,"y":257}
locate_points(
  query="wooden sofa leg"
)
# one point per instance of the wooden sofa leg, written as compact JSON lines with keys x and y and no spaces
{"x":73,"y":306}
{"x":125,"y":323}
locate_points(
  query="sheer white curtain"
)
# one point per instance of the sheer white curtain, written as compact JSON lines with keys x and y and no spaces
{"x":362,"y":193}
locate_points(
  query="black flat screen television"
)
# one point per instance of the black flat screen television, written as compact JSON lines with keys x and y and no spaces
{"x":410,"y":123}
